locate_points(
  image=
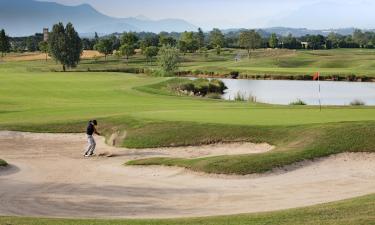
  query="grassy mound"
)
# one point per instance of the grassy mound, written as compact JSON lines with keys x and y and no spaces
{"x":294,"y":144}
{"x":183,"y":86}
{"x":358,"y":211}
{"x":3,"y":163}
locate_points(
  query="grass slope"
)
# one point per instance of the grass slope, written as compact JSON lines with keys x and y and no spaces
{"x":358,"y":211}
{"x":294,"y":144}
{"x":64,"y":102}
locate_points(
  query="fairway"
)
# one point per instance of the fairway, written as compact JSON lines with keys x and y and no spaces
{"x":44,"y":98}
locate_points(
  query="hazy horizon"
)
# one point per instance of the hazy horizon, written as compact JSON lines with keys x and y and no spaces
{"x":311,"y":14}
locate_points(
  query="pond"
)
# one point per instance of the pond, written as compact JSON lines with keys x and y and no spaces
{"x":284,"y":92}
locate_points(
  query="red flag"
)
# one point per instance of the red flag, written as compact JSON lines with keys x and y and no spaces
{"x":316,"y":76}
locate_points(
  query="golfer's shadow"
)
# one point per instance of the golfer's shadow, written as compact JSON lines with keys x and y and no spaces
{"x":9,"y":170}
{"x":132,"y":154}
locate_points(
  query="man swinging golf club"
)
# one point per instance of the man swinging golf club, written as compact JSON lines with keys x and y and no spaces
{"x":91,"y":129}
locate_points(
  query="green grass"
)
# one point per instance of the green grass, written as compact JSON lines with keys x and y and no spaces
{"x":34,"y":99}
{"x":294,"y":144}
{"x":64,"y":102}
{"x":341,"y":62}
{"x":3,"y":163}
{"x":358,"y":211}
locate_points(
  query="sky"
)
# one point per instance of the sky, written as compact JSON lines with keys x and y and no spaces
{"x":312,"y":14}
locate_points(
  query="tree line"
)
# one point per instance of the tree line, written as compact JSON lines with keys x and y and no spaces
{"x":190,"y":42}
{"x":65,"y":45}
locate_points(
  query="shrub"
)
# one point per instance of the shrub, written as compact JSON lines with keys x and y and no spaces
{"x":357,"y":102}
{"x":298,"y":102}
{"x":214,"y":95}
{"x":234,"y":74}
{"x":200,"y":87}
{"x":239,"y":97}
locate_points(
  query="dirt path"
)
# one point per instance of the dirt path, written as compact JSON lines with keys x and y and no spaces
{"x":49,"y":177}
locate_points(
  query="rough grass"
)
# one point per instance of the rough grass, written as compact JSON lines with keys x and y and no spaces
{"x":3,"y":163}
{"x":294,"y":144}
{"x":358,"y":211}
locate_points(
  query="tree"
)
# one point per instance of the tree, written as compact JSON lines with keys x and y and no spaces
{"x":168,"y":59}
{"x":316,"y":41}
{"x":127,"y":50}
{"x":151,"y":52}
{"x":334,"y":40}
{"x":273,"y":42}
{"x":192,"y":44}
{"x":65,"y":45}
{"x":250,"y":40}
{"x":104,"y":46}
{"x":31,"y":44}
{"x":200,"y":38}
{"x":129,"y":38}
{"x":164,"y":40}
{"x":43,"y":47}
{"x":216,"y":39}
{"x":116,"y":43}
{"x":149,"y":40}
{"x":291,"y":42}
{"x":4,"y":43}
{"x":360,"y":38}
{"x":88,"y":44}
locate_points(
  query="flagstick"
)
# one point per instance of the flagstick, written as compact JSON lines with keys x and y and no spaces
{"x":320,"y":101}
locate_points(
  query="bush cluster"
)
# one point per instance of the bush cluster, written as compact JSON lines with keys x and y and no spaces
{"x":201,"y":87}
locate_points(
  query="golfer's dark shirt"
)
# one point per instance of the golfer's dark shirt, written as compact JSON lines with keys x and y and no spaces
{"x":90,"y":129}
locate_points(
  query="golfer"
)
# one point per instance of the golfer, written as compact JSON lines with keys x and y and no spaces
{"x":91,"y":129}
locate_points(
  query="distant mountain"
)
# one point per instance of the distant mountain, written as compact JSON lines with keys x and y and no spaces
{"x":328,"y":14}
{"x":26,"y":17}
{"x":298,"y":32}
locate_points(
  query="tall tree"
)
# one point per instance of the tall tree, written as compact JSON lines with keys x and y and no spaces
{"x":96,"y":38}
{"x":273,"y":42}
{"x":200,"y":38}
{"x":43,"y":47}
{"x":360,"y":38}
{"x":65,"y":45}
{"x":250,"y":40}
{"x":188,"y":38}
{"x":334,"y":39}
{"x":88,"y":44}
{"x":104,"y":46}
{"x":4,"y":43}
{"x":217,"y":39}
{"x":116,"y":42}
{"x":151,"y":52}
{"x":129,"y":38}
{"x":127,"y":50}
{"x":167,"y":40}
{"x":149,"y":40}
{"x":168,"y":59}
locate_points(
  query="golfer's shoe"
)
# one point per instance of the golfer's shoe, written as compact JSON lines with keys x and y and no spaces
{"x":86,"y":155}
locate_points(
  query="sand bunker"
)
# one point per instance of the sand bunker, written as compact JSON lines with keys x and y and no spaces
{"x":49,"y":177}
{"x":31,"y":56}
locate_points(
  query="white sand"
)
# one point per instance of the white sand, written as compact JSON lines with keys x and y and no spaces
{"x":49,"y":177}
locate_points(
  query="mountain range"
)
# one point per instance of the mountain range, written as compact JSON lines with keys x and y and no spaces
{"x":26,"y":17}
